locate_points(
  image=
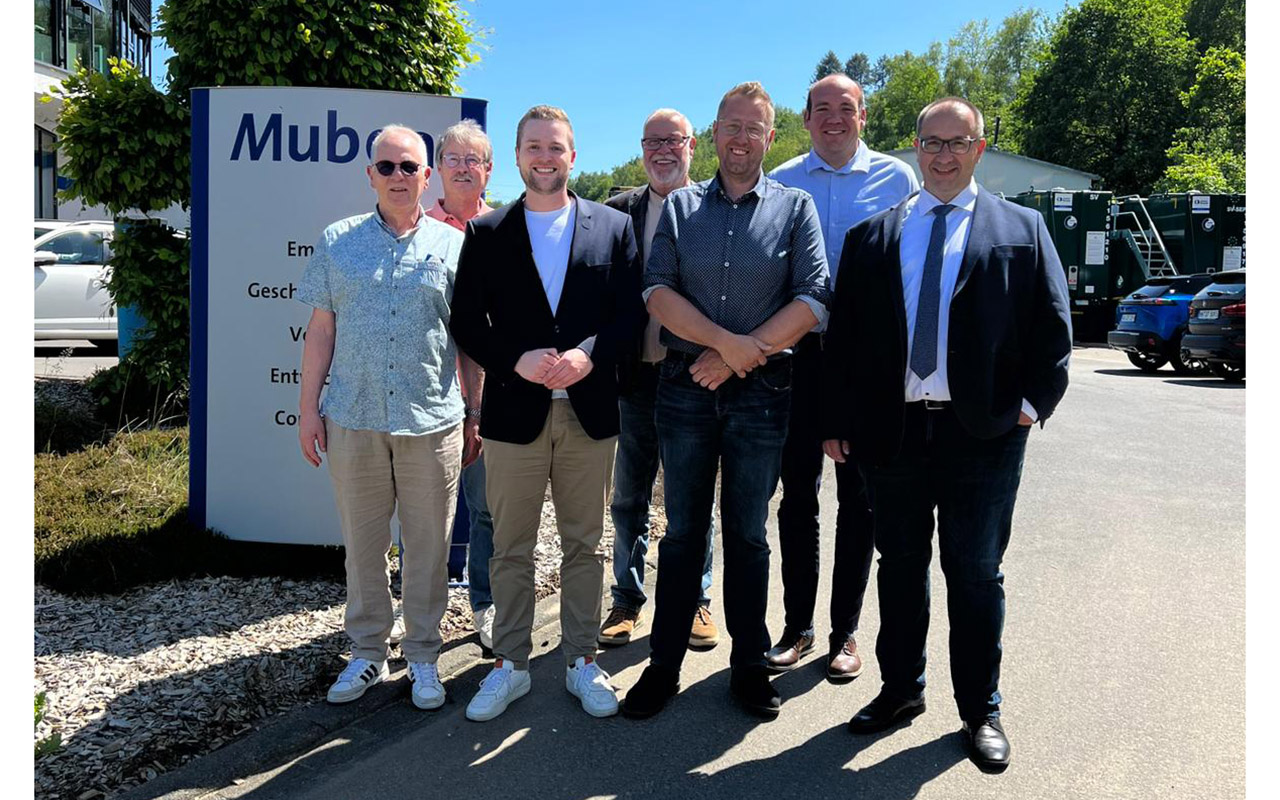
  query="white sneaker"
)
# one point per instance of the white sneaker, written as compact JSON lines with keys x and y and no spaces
{"x":483,"y":620}
{"x":590,"y":684}
{"x":428,"y":691}
{"x":397,"y":626}
{"x":359,"y":675}
{"x":503,"y":684}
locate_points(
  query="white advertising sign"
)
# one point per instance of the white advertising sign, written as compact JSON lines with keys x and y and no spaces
{"x":1200,"y":204}
{"x":1062,"y":201}
{"x":271,"y":167}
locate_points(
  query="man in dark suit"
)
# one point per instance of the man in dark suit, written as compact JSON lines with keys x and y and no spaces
{"x":950,"y":335}
{"x":548,"y":293}
{"x":667,"y":143}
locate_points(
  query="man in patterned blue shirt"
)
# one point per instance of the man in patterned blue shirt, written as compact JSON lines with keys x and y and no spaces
{"x":849,"y":182}
{"x":736,"y":275}
{"x":381,"y":287}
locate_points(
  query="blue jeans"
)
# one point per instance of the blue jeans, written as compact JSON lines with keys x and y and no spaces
{"x":635,"y":469}
{"x":973,"y":484}
{"x":739,"y":428}
{"x":481,"y":548}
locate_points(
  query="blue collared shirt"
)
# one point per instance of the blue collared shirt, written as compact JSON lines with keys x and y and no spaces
{"x":394,"y":367}
{"x":845,"y":196}
{"x":738,"y":262}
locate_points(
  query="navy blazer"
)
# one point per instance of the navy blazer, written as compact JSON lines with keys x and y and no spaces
{"x":1009,"y":335}
{"x":500,"y":311}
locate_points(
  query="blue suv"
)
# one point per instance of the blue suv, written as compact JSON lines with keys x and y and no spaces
{"x":1151,"y":322}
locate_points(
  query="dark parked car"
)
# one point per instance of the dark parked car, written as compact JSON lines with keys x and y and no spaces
{"x":1151,"y":322}
{"x":1215,"y":330}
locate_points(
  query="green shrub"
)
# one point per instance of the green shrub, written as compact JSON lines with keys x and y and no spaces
{"x":53,"y":741}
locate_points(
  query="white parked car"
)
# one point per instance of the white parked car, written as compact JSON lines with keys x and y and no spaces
{"x":72,"y":265}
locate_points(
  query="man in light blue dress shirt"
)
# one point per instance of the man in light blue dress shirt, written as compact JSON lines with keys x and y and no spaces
{"x":849,"y":182}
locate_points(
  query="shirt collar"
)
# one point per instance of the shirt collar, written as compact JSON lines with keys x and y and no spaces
{"x":860,"y":162}
{"x":965,"y":200}
{"x":438,"y":212}
{"x":759,"y":190}
{"x":377,"y":214}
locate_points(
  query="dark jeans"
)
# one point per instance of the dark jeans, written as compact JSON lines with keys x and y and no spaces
{"x":973,"y":483}
{"x":480,"y":549}
{"x":635,"y":468}
{"x":798,"y":528}
{"x":740,"y":429}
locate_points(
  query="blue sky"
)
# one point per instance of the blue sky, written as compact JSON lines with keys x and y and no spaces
{"x":609,"y":64}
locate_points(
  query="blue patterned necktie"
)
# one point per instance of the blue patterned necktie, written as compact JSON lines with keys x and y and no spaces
{"x":924,"y":347}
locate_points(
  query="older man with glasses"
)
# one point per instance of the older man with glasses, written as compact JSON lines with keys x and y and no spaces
{"x":381,"y":286}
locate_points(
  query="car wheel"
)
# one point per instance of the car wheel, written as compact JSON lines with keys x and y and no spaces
{"x":1147,"y":362}
{"x":1232,"y":373}
{"x":1183,"y":363}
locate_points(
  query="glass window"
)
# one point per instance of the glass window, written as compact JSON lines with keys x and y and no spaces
{"x":1189,"y":285}
{"x":103,"y":35}
{"x":46,"y":170}
{"x":76,"y":247}
{"x":44,"y":31}
{"x":79,"y":37}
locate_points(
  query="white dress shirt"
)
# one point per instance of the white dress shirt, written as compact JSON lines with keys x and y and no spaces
{"x":917,"y":224}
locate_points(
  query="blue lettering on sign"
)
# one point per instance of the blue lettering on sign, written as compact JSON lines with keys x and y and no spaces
{"x":341,"y":142}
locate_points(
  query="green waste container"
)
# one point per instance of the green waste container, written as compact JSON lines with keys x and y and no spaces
{"x":1203,"y":232}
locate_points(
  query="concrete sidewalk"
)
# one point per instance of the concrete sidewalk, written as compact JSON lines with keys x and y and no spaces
{"x":1123,"y":672}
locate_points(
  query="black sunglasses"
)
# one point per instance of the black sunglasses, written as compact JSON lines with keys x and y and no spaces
{"x":385,"y":168}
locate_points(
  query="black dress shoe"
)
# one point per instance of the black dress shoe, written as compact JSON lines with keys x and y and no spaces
{"x":751,"y":687}
{"x":885,"y":711}
{"x":988,"y":746}
{"x":655,"y":687}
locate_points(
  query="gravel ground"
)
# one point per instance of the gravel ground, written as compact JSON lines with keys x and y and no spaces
{"x":143,"y":682}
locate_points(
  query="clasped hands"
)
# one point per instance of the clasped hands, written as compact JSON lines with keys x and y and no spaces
{"x":735,"y":355}
{"x":553,"y":369}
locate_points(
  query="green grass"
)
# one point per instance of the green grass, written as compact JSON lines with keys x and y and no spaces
{"x":114,"y":515}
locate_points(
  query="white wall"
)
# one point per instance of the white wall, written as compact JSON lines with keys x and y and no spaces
{"x":1011,"y":174}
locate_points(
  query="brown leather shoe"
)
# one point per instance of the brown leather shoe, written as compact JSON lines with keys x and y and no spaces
{"x":787,"y":653}
{"x":619,"y":626}
{"x":844,"y":664}
{"x":704,"y":635}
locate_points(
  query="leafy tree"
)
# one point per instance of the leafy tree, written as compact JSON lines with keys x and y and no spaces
{"x":1107,"y":99}
{"x":829,"y":65}
{"x":858,"y":67}
{"x":911,"y":82}
{"x":1208,"y":156}
{"x":1216,"y":23}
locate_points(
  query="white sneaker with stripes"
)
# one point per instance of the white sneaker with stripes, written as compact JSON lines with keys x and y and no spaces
{"x":359,"y":675}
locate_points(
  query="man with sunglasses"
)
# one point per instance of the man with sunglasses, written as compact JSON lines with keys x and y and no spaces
{"x":380,"y":286}
{"x":464,"y":161}
{"x":848,"y":182}
{"x":736,"y":275}
{"x":950,"y":336}
{"x":667,"y":144}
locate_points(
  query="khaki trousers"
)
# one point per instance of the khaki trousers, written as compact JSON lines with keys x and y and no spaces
{"x":375,"y":474}
{"x":580,"y":470}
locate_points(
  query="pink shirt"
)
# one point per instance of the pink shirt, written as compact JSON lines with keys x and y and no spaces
{"x":437,"y":212}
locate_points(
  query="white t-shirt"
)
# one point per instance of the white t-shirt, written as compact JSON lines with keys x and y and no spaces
{"x":551,"y":234}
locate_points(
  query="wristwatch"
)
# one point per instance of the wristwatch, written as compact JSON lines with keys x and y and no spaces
{"x":473,"y":413}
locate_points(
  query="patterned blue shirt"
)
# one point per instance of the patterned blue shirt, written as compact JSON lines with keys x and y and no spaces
{"x":867,"y":185}
{"x":739,"y":262}
{"x":394,"y":367}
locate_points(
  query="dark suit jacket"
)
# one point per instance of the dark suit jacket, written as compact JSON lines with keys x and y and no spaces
{"x":634,"y":202}
{"x":500,"y":311}
{"x":1009,"y":335}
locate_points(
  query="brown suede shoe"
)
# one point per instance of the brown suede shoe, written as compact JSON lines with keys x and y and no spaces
{"x":704,"y":635}
{"x":787,"y":653}
{"x":844,"y":664}
{"x":619,"y":626}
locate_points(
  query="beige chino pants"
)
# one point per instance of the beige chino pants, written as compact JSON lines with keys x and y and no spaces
{"x":580,"y":470}
{"x":374,"y":475}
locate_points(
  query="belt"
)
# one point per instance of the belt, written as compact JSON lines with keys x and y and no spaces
{"x":932,"y":405}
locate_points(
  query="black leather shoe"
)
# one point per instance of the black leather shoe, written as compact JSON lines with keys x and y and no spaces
{"x":655,"y":687}
{"x":885,"y":711}
{"x":751,"y":687}
{"x":988,"y":746}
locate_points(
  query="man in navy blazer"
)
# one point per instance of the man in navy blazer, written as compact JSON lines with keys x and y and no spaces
{"x":547,"y":296}
{"x":950,"y":336}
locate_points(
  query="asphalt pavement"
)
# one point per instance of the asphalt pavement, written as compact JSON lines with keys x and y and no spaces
{"x":1123,"y":664}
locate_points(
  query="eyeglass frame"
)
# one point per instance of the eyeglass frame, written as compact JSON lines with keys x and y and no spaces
{"x":661,"y":140}
{"x":723,"y":125}
{"x":407,"y":168}
{"x":472,"y":161}
{"x":948,"y":144}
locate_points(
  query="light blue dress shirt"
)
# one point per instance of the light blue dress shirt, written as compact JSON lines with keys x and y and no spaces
{"x":845,"y":196}
{"x":394,"y":367}
{"x":917,"y":223}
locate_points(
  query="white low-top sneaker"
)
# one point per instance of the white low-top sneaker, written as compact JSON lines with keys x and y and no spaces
{"x":359,"y":675}
{"x":428,"y":691}
{"x":483,"y":619}
{"x":502,"y":685}
{"x":590,"y":684}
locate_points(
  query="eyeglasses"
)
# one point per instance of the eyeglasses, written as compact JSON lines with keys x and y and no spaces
{"x":958,"y":146}
{"x":409,"y":168}
{"x":654,"y":143}
{"x":731,"y":129}
{"x":453,"y":160}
